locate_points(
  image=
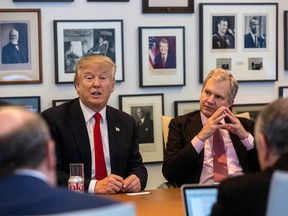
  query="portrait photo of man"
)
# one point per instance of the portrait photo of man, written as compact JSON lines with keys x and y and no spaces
{"x":165,"y":56}
{"x":144,"y":125}
{"x":15,"y":51}
{"x":255,"y":28}
{"x":223,"y":32}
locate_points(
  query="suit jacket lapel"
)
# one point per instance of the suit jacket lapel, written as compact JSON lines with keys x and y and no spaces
{"x":113,"y":129}
{"x":78,"y":127}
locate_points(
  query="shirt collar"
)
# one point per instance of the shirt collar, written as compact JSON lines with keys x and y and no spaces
{"x":88,"y":113}
{"x":33,"y":173}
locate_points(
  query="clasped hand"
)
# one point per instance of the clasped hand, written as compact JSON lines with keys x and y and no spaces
{"x":115,"y":184}
{"x":214,"y":123}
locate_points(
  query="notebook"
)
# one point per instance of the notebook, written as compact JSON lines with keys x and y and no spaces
{"x":198,"y":200}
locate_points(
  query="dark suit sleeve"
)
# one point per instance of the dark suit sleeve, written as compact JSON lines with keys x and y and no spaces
{"x":251,"y":158}
{"x":182,"y":163}
{"x":124,"y":148}
{"x":71,"y":141}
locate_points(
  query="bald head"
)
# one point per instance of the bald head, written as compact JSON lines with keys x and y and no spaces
{"x":23,"y":139}
{"x":12,"y":119}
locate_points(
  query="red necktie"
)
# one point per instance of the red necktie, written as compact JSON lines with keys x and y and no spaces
{"x":219,"y":157}
{"x":100,"y":166}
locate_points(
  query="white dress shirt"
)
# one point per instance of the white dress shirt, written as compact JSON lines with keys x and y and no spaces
{"x":90,"y":122}
{"x":234,"y":167}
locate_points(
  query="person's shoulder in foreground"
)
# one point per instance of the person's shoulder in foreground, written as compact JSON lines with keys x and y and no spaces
{"x":248,"y":194}
{"x":27,"y":169}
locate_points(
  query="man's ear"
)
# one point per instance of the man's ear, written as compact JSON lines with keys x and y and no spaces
{"x":51,"y":162}
{"x":262,"y":150}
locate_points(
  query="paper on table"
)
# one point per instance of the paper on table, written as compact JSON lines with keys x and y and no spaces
{"x":138,"y":193}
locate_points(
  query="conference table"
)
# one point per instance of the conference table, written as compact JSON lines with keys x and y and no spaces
{"x":154,"y":202}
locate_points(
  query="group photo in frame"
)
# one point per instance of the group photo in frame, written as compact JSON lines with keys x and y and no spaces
{"x":20,"y":46}
{"x":75,"y":39}
{"x":162,"y":56}
{"x":185,"y":106}
{"x":283,"y":91}
{"x":31,"y":103}
{"x":250,"y":111}
{"x":241,"y":38}
{"x":172,"y":6}
{"x":147,"y":110}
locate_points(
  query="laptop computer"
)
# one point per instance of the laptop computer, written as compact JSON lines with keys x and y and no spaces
{"x":198,"y":200}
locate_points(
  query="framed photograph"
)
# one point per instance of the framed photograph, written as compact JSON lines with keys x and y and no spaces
{"x":162,"y":56}
{"x":43,"y":0}
{"x":252,"y":109}
{"x":241,"y":38}
{"x":59,"y":102}
{"x":286,"y":39}
{"x":147,"y":110}
{"x":75,"y":39}
{"x":172,"y":6}
{"x":30,"y":103}
{"x":20,"y":46}
{"x":184,"y":107}
{"x":283,"y":91}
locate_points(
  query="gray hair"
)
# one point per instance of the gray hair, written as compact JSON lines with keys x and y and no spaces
{"x":25,"y":146}
{"x":219,"y":74}
{"x":272,"y":122}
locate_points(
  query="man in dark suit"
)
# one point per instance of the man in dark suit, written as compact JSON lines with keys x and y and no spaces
{"x":164,"y":59}
{"x":27,"y":169}
{"x":252,"y":39}
{"x":188,"y":156}
{"x":72,"y":124}
{"x":223,"y":39}
{"x":247,"y":195}
{"x":145,"y":127}
{"x":14,"y":52}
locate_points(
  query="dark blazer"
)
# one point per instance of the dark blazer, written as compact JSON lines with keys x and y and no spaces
{"x":170,"y":61}
{"x":27,"y":195}
{"x":68,"y":129}
{"x":182,"y":164}
{"x":249,"y":42}
{"x":10,"y":55}
{"x":246,"y":195}
{"x":222,"y":43}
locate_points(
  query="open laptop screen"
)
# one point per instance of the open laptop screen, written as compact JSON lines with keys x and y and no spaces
{"x":198,"y":200}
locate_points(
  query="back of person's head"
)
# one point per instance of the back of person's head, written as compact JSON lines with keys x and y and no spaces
{"x":23,"y":139}
{"x":103,"y":63}
{"x":220,"y":74}
{"x":272,"y":122}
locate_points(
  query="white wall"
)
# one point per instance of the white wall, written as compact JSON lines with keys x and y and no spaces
{"x":131,"y":13}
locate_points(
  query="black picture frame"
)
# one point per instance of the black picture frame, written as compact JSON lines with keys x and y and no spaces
{"x":59,"y":102}
{"x":151,"y":71}
{"x":27,"y":24}
{"x":286,"y":40}
{"x":234,"y":52}
{"x":283,"y":91}
{"x":185,"y":106}
{"x":252,"y":109}
{"x":163,"y":7}
{"x":152,"y":104}
{"x":74,"y":39}
{"x":31,"y":103}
